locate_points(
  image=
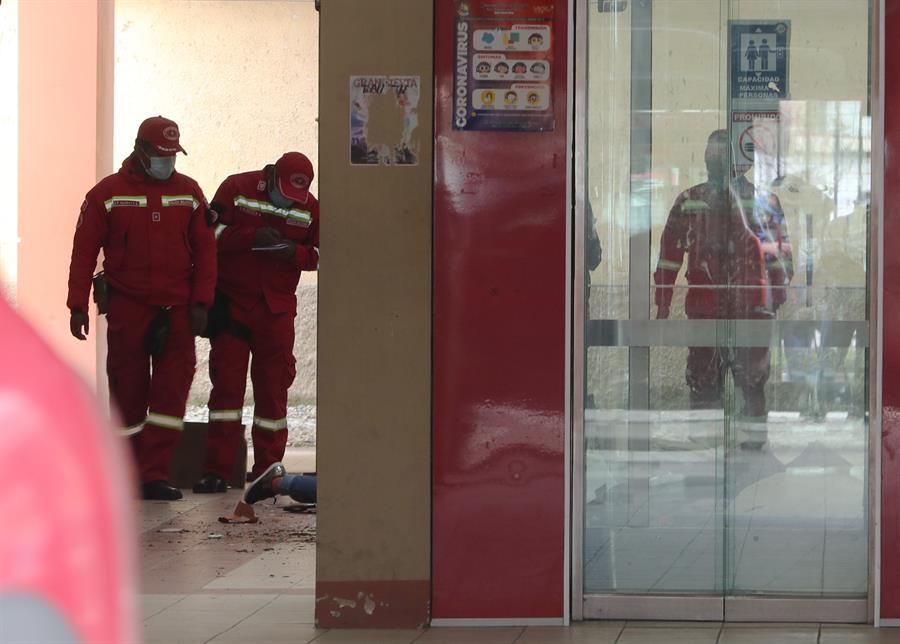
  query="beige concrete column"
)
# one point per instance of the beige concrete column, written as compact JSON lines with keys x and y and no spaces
{"x":65,"y":125}
{"x":374,"y":424}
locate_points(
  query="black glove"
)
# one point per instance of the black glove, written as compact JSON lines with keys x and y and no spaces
{"x":266,"y":236}
{"x":198,"y":319}
{"x":157,"y":334}
{"x":79,"y":320}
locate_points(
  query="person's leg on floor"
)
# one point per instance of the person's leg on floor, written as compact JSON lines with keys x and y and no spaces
{"x":300,"y":487}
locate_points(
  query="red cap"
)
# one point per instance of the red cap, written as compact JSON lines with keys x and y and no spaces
{"x":162,"y":134}
{"x":294,"y":174}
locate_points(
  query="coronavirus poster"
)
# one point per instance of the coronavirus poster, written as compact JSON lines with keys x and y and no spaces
{"x":503,"y":65}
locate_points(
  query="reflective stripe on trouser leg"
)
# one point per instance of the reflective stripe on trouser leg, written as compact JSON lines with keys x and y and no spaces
{"x":173,"y":372}
{"x":131,"y":431}
{"x":228,"y":362}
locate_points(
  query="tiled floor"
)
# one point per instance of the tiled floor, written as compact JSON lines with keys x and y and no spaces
{"x":204,"y":581}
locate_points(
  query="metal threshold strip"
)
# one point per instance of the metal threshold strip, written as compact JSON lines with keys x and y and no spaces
{"x":797,"y":334}
{"x":727,"y":608}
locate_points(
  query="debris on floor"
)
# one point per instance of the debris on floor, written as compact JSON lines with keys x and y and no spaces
{"x":243,"y":513}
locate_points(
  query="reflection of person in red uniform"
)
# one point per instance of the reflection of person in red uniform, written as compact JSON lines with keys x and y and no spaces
{"x":738,"y":267}
{"x":268,"y":234}
{"x":160,"y":265}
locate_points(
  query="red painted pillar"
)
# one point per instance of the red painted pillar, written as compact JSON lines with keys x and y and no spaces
{"x":499,"y":351}
{"x":890,"y":468}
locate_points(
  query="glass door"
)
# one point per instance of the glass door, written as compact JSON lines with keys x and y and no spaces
{"x":722,"y":191}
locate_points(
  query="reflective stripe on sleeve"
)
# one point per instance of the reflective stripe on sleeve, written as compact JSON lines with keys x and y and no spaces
{"x":220,"y":229}
{"x":691,"y":205}
{"x":169,"y":422}
{"x":264,"y":206}
{"x":131,"y":431}
{"x":316,"y":248}
{"x":668,"y":265}
{"x":273,"y":425}
{"x":224,"y":415}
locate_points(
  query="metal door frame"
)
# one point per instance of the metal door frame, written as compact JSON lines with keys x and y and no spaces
{"x":712,"y":607}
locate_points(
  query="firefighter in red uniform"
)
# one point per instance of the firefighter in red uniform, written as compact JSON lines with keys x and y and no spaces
{"x":738,"y":267}
{"x":160,"y":266}
{"x":268,"y":233}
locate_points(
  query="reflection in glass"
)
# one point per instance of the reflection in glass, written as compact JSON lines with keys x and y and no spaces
{"x":735,"y":243}
{"x":725,"y":440}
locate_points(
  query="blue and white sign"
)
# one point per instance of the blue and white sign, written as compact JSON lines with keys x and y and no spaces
{"x":760,"y":60}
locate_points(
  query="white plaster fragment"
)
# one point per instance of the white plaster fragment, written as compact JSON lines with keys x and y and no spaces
{"x":369,"y":605}
{"x":344,"y":603}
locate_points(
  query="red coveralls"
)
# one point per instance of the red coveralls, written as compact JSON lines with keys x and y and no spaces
{"x":158,"y":252}
{"x":262,"y":294}
{"x":733,"y":241}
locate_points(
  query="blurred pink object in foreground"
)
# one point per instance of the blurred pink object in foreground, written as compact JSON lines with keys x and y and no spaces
{"x":67,"y":544}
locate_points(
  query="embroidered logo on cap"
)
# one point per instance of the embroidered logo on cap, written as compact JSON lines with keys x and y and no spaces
{"x":170,"y":133}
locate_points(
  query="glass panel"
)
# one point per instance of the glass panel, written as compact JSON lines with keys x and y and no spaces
{"x":654,"y":506}
{"x":725,"y":430}
{"x":796,"y":508}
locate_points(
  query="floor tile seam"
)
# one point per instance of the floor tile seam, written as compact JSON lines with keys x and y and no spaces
{"x":319,"y":635}
{"x":241,"y":621}
{"x":519,"y":636}
{"x":680,"y":554}
{"x":739,"y":557}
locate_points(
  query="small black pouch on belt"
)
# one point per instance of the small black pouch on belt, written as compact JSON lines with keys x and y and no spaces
{"x":218,"y":318}
{"x":157,"y":333}
{"x":101,"y":293}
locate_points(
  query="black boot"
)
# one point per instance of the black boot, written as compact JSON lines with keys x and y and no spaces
{"x":210,"y":484}
{"x":261,"y":488}
{"x":159,"y":491}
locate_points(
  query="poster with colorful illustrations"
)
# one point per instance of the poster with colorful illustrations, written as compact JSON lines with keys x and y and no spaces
{"x":504,"y":64}
{"x":384,"y":120}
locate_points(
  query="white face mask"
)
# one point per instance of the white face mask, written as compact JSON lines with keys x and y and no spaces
{"x":161,"y":168}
